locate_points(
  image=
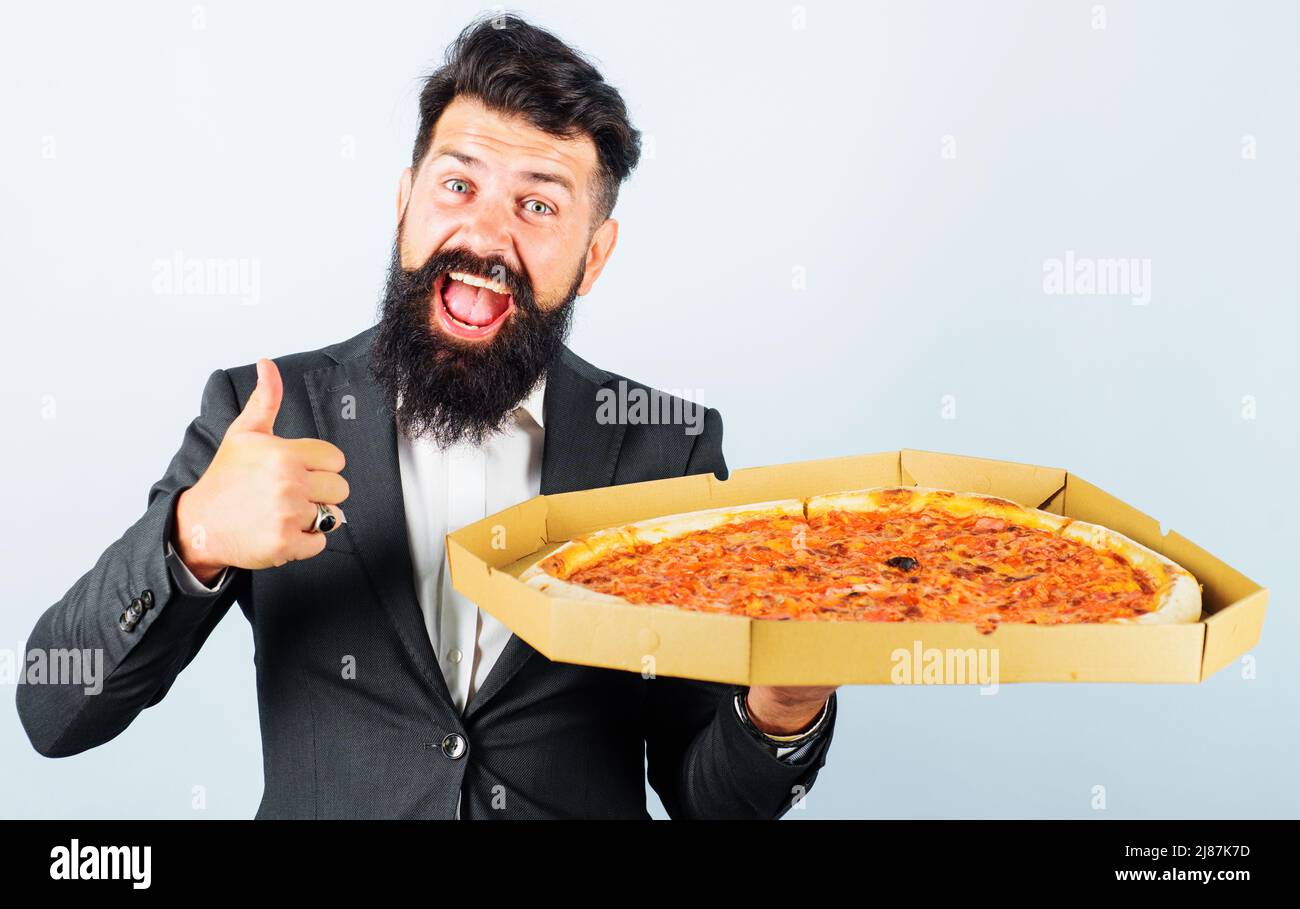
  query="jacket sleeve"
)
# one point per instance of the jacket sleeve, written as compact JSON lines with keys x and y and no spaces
{"x":704,"y":764}
{"x":701,"y":760}
{"x":136,"y":661}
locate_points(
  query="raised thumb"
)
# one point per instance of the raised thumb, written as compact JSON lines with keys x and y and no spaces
{"x":263,"y":404}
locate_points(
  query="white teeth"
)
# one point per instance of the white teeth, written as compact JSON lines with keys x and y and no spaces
{"x":476,"y":281}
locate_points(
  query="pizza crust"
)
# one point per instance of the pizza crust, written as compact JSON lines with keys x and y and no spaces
{"x":657,"y":529}
{"x":918,"y":498}
{"x":1179,"y":600}
{"x":1181,"y":605}
{"x":583,"y":551}
{"x":580,"y":552}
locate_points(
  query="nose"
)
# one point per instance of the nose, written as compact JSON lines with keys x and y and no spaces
{"x":485,"y":230}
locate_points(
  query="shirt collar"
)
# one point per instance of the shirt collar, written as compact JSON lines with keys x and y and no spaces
{"x":532,"y":404}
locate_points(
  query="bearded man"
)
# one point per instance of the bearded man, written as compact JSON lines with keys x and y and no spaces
{"x":382,"y":692}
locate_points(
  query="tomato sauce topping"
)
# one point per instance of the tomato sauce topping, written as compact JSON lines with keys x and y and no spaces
{"x":880,"y":566}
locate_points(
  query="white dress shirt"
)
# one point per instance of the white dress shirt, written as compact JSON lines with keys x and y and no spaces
{"x":444,"y":490}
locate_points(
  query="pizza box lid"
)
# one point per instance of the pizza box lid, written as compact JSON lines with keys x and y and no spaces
{"x":486,"y":558}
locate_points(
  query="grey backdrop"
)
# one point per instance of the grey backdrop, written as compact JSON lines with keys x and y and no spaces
{"x":838,"y":236}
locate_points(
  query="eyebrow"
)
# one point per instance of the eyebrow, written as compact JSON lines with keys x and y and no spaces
{"x":532,"y":176}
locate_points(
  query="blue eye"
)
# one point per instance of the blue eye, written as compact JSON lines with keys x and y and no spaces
{"x":546,"y":209}
{"x":454,"y":182}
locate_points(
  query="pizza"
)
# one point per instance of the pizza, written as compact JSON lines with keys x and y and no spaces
{"x":885,"y":554}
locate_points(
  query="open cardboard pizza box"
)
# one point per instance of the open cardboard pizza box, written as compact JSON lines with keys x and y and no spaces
{"x":486,"y":558}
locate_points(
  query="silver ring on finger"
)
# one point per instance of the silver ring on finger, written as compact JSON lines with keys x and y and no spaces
{"x":325,"y":520}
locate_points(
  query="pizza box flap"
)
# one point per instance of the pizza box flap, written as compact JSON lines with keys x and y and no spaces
{"x":486,"y":557}
{"x":576,"y":513}
{"x":1232,"y":604}
{"x":1025,"y":484}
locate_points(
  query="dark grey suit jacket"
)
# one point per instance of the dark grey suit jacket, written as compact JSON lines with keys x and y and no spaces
{"x":545,"y":739}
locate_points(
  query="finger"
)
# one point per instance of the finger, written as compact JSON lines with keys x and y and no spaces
{"x":306,"y":545}
{"x":325,"y":487}
{"x":305,"y":516}
{"x":263,"y":404}
{"x":317,"y":454}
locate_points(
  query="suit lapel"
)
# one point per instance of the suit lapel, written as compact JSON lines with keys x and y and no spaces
{"x":351,"y":411}
{"x":578,"y":452}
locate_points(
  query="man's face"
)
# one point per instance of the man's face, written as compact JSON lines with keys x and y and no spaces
{"x":516,"y":202}
{"x":494,"y":244}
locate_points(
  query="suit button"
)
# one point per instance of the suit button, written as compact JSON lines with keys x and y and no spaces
{"x":454,"y":746}
{"x":136,"y":609}
{"x":125,"y":622}
{"x":147,"y":597}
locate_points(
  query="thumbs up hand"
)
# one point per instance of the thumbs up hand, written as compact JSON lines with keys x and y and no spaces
{"x":255,"y":505}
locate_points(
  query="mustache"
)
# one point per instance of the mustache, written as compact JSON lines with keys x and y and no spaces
{"x":422,"y":279}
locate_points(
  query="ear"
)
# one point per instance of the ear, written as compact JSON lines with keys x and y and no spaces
{"x":404,"y":192}
{"x":602,"y":246}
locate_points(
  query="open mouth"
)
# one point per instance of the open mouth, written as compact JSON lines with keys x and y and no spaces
{"x":470,"y":306}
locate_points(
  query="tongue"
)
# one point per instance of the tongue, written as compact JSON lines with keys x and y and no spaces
{"x":473,"y":305}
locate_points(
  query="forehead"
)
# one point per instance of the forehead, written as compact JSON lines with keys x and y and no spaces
{"x":467,"y":126}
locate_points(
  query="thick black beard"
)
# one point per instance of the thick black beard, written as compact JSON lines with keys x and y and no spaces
{"x":452,"y":390}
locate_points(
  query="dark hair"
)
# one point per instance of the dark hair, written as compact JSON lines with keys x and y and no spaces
{"x":516,"y":68}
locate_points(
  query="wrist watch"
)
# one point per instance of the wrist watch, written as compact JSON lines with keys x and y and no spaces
{"x":780,"y":743}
